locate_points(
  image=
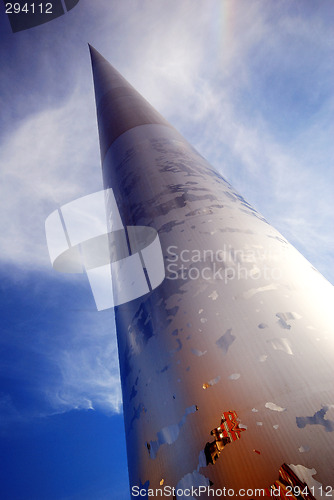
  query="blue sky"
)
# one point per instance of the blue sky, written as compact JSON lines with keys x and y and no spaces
{"x":249,"y":84}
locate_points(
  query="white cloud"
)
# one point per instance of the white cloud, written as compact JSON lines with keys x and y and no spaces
{"x":86,"y":360}
{"x":191,"y":61}
{"x":89,"y":376}
{"x":204,"y":66}
{"x":51,"y":158}
{"x":69,"y":358}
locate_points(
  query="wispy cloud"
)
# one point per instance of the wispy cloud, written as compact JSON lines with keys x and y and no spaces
{"x":248,"y":83}
{"x":52,"y":158}
{"x":65,"y":349}
{"x":218,"y":95}
{"x":89,"y":370}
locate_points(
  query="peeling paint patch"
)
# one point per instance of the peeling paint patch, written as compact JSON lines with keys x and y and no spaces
{"x":166,"y":228}
{"x":253,"y":291}
{"x":303,"y":449}
{"x":169,"y":434}
{"x":226,"y":340}
{"x":214,"y":295}
{"x":282,"y":323}
{"x":263,"y":358}
{"x":133,"y":393}
{"x":306,"y":475}
{"x":197,"y":352}
{"x":164,"y":369}
{"x":259,"y":424}
{"x":255,"y":410}
{"x":201,"y":460}
{"x":178,"y":348}
{"x":276,"y":426}
{"x":234,"y":376}
{"x":194,"y":477}
{"x":282,"y":344}
{"x":211,"y":382}
{"x":133,"y":390}
{"x":284,"y":317}
{"x":191,"y":480}
{"x":204,"y":320}
{"x":317,"y":419}
{"x":200,"y":289}
{"x":274,"y":407}
{"x":137,"y":412}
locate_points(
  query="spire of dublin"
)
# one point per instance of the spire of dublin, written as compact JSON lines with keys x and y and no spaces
{"x":225,"y":331}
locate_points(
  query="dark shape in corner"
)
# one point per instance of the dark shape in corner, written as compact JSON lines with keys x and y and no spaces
{"x":25,"y":15}
{"x":226,"y":433}
{"x":69,"y":4}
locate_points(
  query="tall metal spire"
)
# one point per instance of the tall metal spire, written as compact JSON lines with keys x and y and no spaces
{"x":119,"y":106}
{"x":227,"y":366}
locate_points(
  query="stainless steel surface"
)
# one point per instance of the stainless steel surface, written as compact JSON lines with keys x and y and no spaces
{"x":227,"y":366}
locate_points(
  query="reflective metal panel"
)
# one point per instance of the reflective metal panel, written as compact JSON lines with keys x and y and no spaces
{"x":227,"y":366}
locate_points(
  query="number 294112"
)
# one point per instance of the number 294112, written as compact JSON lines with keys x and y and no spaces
{"x":29,"y":8}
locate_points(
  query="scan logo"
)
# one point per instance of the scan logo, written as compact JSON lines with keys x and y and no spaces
{"x":24,"y":15}
{"x":122,"y":263}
